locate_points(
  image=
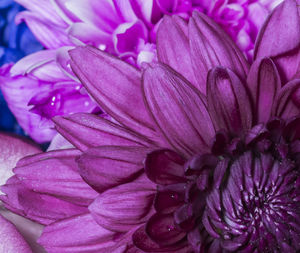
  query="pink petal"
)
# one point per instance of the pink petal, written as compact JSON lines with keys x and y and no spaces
{"x":115,"y":86}
{"x":108,"y":166}
{"x":42,"y":208}
{"x":11,"y":240}
{"x":77,"y":234}
{"x":228,"y":101}
{"x":211,"y":47}
{"x":264,"y":83}
{"x":167,"y":6}
{"x":124,"y":207}
{"x":13,"y":148}
{"x":179,"y":110}
{"x":78,"y":128}
{"x":280,"y":32}
{"x":56,"y":173}
{"x":59,"y":142}
{"x":173,"y":46}
{"x":287,"y":102}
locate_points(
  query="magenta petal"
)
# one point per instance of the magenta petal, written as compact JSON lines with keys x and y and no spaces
{"x":212,"y":47}
{"x":56,"y":173}
{"x":108,"y":166}
{"x":179,"y":110}
{"x":123,"y":207}
{"x":115,"y":85}
{"x":78,"y":129}
{"x":280,"y":32}
{"x":287,"y":102}
{"x":42,"y":208}
{"x":11,"y":241}
{"x":173,"y":46}
{"x":264,"y":83}
{"x":162,"y":229}
{"x":77,"y":234}
{"x":228,"y":101}
{"x":164,"y":167}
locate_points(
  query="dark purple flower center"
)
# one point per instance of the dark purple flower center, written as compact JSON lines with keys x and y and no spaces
{"x":243,"y":196}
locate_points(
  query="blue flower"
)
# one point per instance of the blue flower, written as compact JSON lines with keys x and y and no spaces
{"x":16,"y":41}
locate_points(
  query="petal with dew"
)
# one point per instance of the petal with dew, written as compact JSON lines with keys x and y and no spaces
{"x":124,"y":207}
{"x":264,"y":83}
{"x":108,"y":166}
{"x":211,"y":47}
{"x":173,"y":46}
{"x":178,"y":109}
{"x":228,"y":101}
{"x":115,"y":86}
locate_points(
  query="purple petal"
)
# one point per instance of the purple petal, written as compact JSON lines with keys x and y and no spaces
{"x":173,"y":46}
{"x":56,"y":173}
{"x":123,"y":207}
{"x":264,"y":83}
{"x":280,"y":32}
{"x":108,"y":166}
{"x":78,"y":128}
{"x":164,"y":167}
{"x":179,"y":110}
{"x":11,"y":240}
{"x":287,"y":102}
{"x":42,"y":208}
{"x":228,"y":101}
{"x":77,"y":234}
{"x":115,"y":85}
{"x":211,"y":47}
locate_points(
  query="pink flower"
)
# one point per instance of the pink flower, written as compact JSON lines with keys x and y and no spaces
{"x":123,"y":28}
{"x":164,"y":174}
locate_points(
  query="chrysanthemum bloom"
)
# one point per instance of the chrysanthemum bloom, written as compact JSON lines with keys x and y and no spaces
{"x":202,"y":155}
{"x":124,"y":28}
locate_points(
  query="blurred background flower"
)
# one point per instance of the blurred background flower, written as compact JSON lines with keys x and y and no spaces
{"x":16,"y":41}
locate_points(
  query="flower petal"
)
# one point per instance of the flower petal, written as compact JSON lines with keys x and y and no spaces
{"x":77,"y":128}
{"x":77,"y":234}
{"x":228,"y":101}
{"x":173,"y":46}
{"x":164,"y":167}
{"x":178,"y":109}
{"x":11,"y":240}
{"x":211,"y":47}
{"x":115,"y":86}
{"x":42,"y":208}
{"x":264,"y":83}
{"x":108,"y":166}
{"x":56,"y":173}
{"x":123,"y":207}
{"x":287,"y":102}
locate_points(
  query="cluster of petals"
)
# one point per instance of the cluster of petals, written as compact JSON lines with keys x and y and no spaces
{"x":200,"y":153}
{"x":43,"y":85}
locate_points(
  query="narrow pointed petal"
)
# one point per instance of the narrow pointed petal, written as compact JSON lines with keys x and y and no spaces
{"x":115,"y":86}
{"x":264,"y":83}
{"x":287,"y":102}
{"x":212,"y":47}
{"x":173,"y":46}
{"x":228,"y":101}
{"x":280,"y":32}
{"x":42,"y":208}
{"x":11,"y":241}
{"x":78,"y":129}
{"x":108,"y":166}
{"x":125,"y":206}
{"x":178,"y":109}
{"x":77,"y":234}
{"x":56,"y":173}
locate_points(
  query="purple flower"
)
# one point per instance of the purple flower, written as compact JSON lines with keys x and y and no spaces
{"x":126,"y":29}
{"x":182,"y":165}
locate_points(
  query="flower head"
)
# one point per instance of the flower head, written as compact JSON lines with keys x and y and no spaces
{"x":202,"y":154}
{"x":126,"y":29}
